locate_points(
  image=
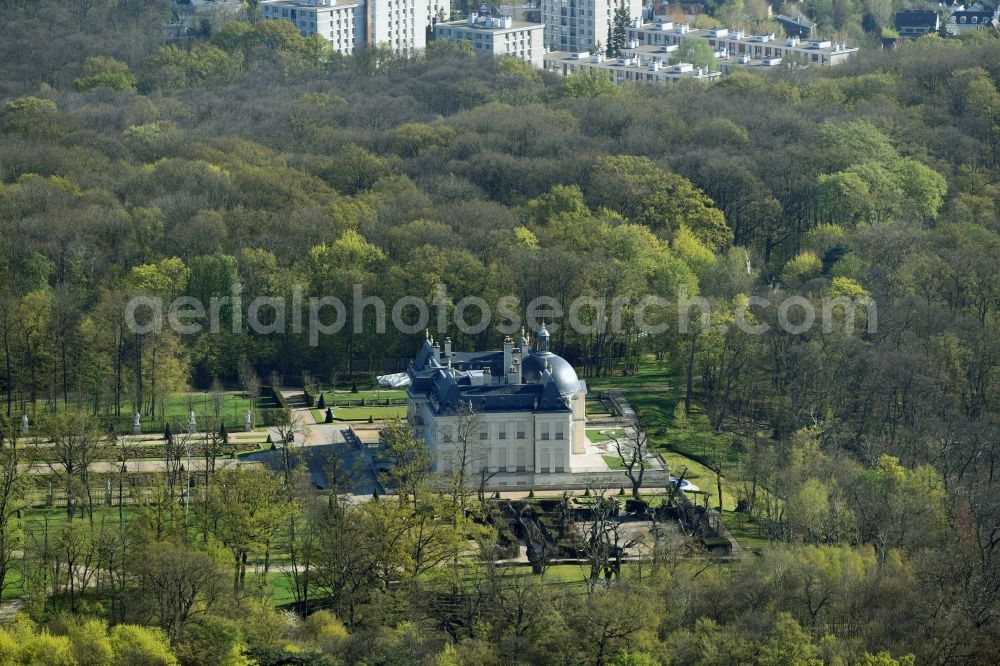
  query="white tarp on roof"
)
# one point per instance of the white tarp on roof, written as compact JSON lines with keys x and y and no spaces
{"x":395,"y":380}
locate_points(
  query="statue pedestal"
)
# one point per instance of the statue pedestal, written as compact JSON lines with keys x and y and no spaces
{"x":137,"y":429}
{"x":247,"y":427}
{"x":191,"y":428}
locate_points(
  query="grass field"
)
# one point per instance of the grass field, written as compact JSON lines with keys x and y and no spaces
{"x":596,"y":409}
{"x":679,"y":443}
{"x":281,"y":588}
{"x":614,"y":462}
{"x":175,"y":411}
{"x":362,"y":413}
{"x":747,"y":533}
{"x":180,"y":404}
{"x":603,"y":434}
{"x":650,"y":372}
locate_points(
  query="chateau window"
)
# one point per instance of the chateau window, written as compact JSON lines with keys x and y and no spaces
{"x":520,"y":429}
{"x":545,"y":431}
{"x":503,"y":431}
{"x":484,"y":431}
{"x":559,"y":431}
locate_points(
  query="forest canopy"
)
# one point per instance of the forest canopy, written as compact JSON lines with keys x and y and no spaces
{"x":254,"y":162}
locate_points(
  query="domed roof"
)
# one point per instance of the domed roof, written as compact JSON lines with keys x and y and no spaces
{"x":562,"y":372}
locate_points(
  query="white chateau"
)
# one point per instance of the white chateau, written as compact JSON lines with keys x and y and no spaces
{"x":528,"y":410}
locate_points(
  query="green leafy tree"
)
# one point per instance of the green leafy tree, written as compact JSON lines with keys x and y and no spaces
{"x":618,"y":30}
{"x":104,"y":72}
{"x":697,"y":52}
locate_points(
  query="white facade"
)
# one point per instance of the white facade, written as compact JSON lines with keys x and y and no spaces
{"x":579,"y":25}
{"x":397,"y":24}
{"x":497,"y":36}
{"x":352,"y":24}
{"x":502,"y":443}
{"x":436,"y":11}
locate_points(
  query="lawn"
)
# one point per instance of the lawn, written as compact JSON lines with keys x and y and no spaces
{"x":681,"y":444}
{"x":576,"y":574}
{"x":176,"y":410}
{"x":179,"y":405}
{"x":650,"y":372}
{"x":614,"y":462}
{"x":12,"y":585}
{"x":748,"y":534}
{"x":603,"y":434}
{"x":281,"y":588}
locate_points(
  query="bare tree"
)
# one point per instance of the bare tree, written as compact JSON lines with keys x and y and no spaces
{"x":14,"y":487}
{"x":485,"y":475}
{"x":289,"y":424}
{"x":176,"y":583}
{"x":631,"y":448}
{"x":597,"y":545}
{"x":174,"y":451}
{"x":75,"y":446}
{"x":250,"y":380}
{"x":411,"y":461}
{"x":469,"y":457}
{"x":308,"y":383}
{"x":218,"y":398}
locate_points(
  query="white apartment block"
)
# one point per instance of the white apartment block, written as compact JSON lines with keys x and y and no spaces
{"x":396,"y":23}
{"x":342,"y":22}
{"x":352,"y":24}
{"x":734,"y":45}
{"x":579,"y":25}
{"x":630,"y":68}
{"x":497,"y":36}
{"x":436,"y":11}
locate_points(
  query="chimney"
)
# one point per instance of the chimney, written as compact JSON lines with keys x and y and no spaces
{"x":508,"y":350}
{"x":514,"y":376}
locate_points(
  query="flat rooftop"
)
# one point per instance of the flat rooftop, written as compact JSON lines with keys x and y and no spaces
{"x":291,"y":4}
{"x":734,"y":36}
{"x":514,"y":25}
{"x":688,"y":71}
